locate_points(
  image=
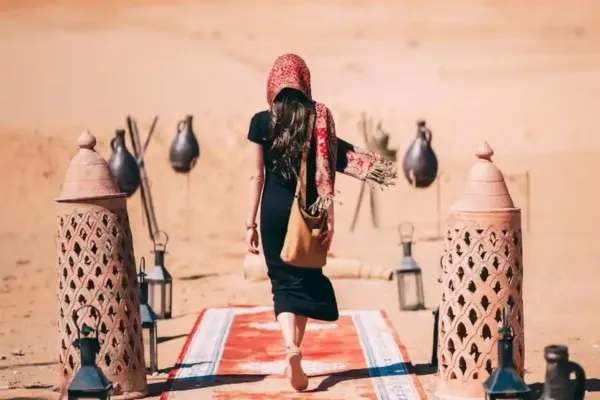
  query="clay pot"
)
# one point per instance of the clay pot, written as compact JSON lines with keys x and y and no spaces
{"x":184,"y":151}
{"x":123,"y":165}
{"x":420,"y":162}
{"x":558,"y":368}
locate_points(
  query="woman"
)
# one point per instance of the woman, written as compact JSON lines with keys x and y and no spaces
{"x":278,"y":136}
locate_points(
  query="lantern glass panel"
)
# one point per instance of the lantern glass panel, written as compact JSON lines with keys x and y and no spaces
{"x":154,"y":297}
{"x":410,"y":290}
{"x":168,"y":299}
{"x":160,"y":297}
{"x":149,"y":336}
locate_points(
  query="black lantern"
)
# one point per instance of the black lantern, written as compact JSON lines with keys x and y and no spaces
{"x":504,"y":382}
{"x":160,"y":282}
{"x":436,"y":321}
{"x":149,"y":318}
{"x":408,"y":273}
{"x":434,"y":347}
{"x":89,"y":382}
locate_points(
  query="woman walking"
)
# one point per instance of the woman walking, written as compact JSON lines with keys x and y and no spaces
{"x":279,"y":136}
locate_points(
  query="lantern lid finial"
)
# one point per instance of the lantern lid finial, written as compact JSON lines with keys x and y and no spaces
{"x":88,"y":176}
{"x":485,"y":189}
{"x":484,"y":151}
{"x":86,"y":140}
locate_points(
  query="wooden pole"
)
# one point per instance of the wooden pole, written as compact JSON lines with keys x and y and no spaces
{"x":438,"y":204}
{"x":374,"y":214}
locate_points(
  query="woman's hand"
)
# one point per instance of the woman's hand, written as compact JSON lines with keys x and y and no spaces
{"x":252,"y":240}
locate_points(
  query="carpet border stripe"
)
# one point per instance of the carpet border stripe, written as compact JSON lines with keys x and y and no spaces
{"x":188,"y":341}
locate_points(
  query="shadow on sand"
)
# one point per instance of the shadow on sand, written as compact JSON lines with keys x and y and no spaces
{"x":363,"y":373}
{"x":591,"y":385}
{"x":191,"y":383}
{"x":327,"y":383}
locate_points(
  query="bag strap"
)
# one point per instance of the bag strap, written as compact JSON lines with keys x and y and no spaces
{"x":301,"y":180}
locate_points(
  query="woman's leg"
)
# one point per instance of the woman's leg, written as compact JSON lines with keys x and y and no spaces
{"x":287,"y":322}
{"x":292,"y":327}
{"x":298,"y":378}
{"x":300,"y":329}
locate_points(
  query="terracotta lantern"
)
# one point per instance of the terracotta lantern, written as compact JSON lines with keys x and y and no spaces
{"x":96,"y":267}
{"x":482,"y":274}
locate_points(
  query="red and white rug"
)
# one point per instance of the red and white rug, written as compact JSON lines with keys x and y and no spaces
{"x":237,"y":353}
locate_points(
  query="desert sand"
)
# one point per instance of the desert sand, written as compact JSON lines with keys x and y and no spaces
{"x":524,"y":76}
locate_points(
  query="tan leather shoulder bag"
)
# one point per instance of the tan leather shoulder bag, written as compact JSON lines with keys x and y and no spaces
{"x":302,"y":246}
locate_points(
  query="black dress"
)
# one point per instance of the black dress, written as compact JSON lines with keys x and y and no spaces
{"x":301,"y":291}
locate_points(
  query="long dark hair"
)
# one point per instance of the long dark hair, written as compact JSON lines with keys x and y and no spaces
{"x":290,"y":114}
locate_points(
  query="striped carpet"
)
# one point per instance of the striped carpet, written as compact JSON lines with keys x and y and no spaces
{"x":236,"y":353}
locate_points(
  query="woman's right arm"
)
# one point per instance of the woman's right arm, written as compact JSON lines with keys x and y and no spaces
{"x":257,"y":178}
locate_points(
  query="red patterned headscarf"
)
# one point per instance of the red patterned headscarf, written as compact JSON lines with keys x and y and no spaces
{"x":290,"y":72}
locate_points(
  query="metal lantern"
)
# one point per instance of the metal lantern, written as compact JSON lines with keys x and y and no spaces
{"x":89,"y":382}
{"x":504,"y":382}
{"x":149,"y":319}
{"x":436,"y":322}
{"x":160,"y":282}
{"x":434,"y":347}
{"x":408,"y":273}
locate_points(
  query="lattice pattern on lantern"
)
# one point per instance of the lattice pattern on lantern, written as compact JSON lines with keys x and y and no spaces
{"x":97,"y":267}
{"x":482,"y":273}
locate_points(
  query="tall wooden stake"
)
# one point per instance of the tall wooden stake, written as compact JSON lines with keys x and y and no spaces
{"x":366,"y":129}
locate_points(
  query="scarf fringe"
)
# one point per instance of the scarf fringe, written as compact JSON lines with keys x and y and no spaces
{"x":322,"y":205}
{"x":382,"y":173}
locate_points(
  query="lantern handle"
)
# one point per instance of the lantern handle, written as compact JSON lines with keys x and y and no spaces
{"x":505,"y":323}
{"x":180,"y":126}
{"x":158,"y":242}
{"x":77,"y":325}
{"x":408,"y":235}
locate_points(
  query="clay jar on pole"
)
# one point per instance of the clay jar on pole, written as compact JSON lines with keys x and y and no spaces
{"x":96,"y":267}
{"x":482,"y":274}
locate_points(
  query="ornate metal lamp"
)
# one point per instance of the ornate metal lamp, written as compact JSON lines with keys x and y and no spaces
{"x":149,"y":318}
{"x":89,"y":382}
{"x":408,"y":273}
{"x":504,"y":382}
{"x":160,"y":282}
